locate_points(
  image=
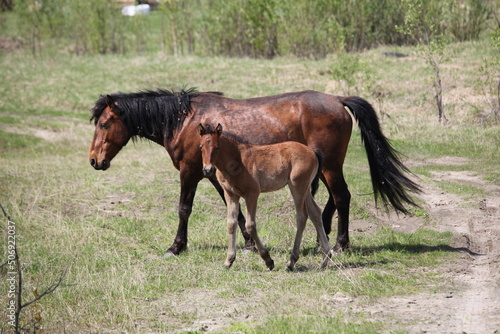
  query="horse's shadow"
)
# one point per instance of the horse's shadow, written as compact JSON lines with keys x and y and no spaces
{"x":365,"y":252}
{"x":357,"y":256}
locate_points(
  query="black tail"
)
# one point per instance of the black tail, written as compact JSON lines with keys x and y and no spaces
{"x":315,"y":181}
{"x":386,"y":169}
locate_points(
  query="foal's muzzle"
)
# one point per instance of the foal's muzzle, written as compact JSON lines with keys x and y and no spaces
{"x":208,"y":171}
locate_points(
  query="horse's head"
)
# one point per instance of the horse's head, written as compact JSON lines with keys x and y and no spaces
{"x":110,"y":135}
{"x":209,"y":147}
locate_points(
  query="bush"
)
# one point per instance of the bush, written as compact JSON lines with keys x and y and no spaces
{"x":250,"y":28}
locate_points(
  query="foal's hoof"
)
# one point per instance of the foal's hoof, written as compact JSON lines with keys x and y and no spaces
{"x":228,"y":263}
{"x":169,"y":255}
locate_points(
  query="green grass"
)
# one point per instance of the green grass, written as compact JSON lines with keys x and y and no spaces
{"x":112,"y":228}
{"x":327,"y":324}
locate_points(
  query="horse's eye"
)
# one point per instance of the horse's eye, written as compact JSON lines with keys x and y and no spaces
{"x":104,"y":125}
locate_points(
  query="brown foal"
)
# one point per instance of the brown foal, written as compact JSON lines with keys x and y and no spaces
{"x":245,"y":170}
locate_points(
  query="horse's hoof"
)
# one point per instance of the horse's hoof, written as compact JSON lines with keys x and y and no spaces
{"x":340,"y":248}
{"x":270,"y":265}
{"x":250,"y":247}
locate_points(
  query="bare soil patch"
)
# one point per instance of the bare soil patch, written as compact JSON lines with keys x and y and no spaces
{"x":471,"y":301}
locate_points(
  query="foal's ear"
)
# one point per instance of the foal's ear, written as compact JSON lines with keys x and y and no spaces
{"x":201,"y":130}
{"x":218,"y":129}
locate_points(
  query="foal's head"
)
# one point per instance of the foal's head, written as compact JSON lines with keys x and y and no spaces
{"x":110,"y":135}
{"x":209,"y":147}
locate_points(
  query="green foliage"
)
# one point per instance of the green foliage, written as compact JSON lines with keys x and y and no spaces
{"x":490,"y":80}
{"x":249,"y":28}
{"x":353,"y":71}
{"x":467,"y":19}
{"x":88,"y":27}
{"x":311,"y":324}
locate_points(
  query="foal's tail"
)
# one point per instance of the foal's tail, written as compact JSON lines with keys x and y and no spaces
{"x":386,"y":169}
{"x":315,"y":181}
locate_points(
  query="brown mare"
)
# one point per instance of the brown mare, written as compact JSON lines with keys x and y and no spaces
{"x":315,"y":119}
{"x":245,"y":170}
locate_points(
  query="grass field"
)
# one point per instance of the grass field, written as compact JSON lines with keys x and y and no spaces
{"x":110,"y":229}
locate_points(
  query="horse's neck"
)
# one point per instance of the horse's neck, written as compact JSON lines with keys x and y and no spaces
{"x":148,"y":127}
{"x":159,"y":139}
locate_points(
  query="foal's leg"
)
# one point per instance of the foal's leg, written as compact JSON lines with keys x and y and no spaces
{"x":301,"y":218}
{"x":251,"y":226}
{"x":233,"y":208}
{"x":249,"y":244}
{"x":314,"y":213}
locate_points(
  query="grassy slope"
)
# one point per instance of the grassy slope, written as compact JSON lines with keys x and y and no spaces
{"x":113,"y":227}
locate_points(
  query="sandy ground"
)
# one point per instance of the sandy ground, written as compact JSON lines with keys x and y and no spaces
{"x":472,"y":302}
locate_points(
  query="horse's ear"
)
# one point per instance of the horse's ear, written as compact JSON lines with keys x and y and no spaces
{"x":218,"y":129}
{"x":110,"y":102}
{"x":201,"y":130}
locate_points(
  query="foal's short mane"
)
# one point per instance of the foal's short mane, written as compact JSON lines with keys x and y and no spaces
{"x":150,"y":113}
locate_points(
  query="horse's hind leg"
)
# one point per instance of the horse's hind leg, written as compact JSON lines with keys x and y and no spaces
{"x":342,"y":197}
{"x":251,"y":226}
{"x":328,"y":213}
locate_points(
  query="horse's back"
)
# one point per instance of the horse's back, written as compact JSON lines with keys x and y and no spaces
{"x":313,"y":118}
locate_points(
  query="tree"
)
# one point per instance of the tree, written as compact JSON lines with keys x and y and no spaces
{"x":422,"y":24}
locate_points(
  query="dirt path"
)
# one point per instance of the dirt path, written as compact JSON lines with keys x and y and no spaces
{"x":471,"y":304}
{"x":468,"y":303}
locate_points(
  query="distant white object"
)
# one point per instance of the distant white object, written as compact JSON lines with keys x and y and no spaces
{"x":135,"y":10}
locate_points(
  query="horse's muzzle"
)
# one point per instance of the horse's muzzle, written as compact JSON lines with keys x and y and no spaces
{"x":208,"y":171}
{"x":99,"y":166}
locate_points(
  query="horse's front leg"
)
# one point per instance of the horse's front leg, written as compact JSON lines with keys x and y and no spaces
{"x":249,"y":243}
{"x":189,"y":182}
{"x":232,"y":218}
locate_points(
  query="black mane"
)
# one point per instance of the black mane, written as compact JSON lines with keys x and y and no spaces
{"x":149,"y":113}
